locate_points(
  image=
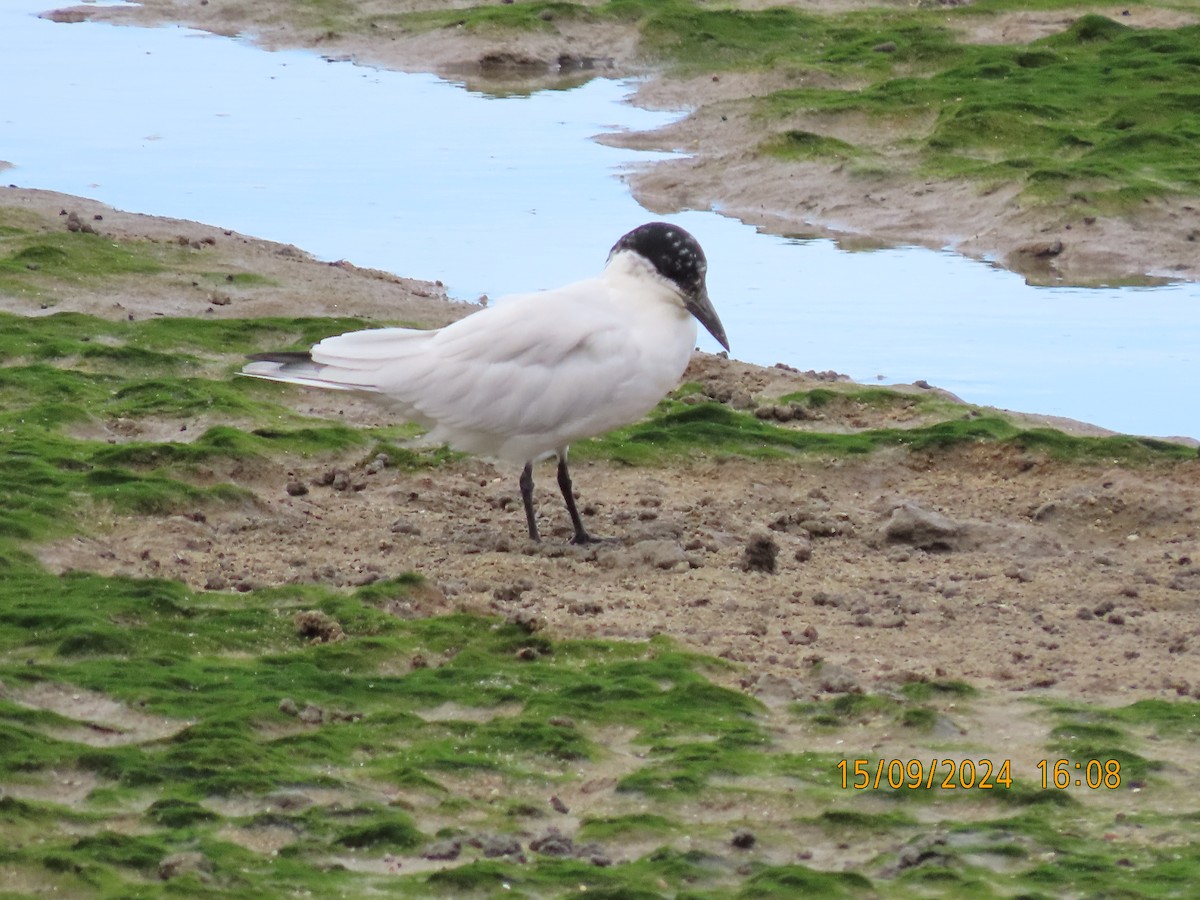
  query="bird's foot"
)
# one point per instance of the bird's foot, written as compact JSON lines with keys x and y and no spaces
{"x":582,"y":539}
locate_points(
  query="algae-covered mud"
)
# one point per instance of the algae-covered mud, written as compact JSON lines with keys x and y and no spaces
{"x":845,"y":641}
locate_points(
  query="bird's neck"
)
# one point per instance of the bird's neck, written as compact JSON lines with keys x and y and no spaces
{"x":635,"y":278}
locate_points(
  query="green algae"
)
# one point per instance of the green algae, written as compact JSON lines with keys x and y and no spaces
{"x":64,"y":335}
{"x":393,"y":830}
{"x":874,"y":398}
{"x":801,"y":881}
{"x":67,"y":371}
{"x":536,"y":16}
{"x":857,"y":820}
{"x":917,"y":705}
{"x":797,"y":143}
{"x":1101,"y":113}
{"x":676,"y":429}
{"x":922,"y":691}
{"x":221,"y":666}
{"x":66,"y":256}
{"x":224,"y":662}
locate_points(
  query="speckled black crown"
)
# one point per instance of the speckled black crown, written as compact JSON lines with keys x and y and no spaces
{"x":671,"y":250}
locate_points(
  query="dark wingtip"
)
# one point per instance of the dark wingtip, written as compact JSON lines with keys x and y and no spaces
{"x":285,"y":356}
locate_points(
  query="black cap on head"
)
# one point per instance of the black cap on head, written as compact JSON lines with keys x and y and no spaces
{"x":671,"y":250}
{"x":677,"y":257}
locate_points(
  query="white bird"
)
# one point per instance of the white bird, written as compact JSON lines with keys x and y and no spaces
{"x":526,"y":377}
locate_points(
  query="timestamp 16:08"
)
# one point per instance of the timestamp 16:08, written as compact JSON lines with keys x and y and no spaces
{"x":985,"y":774}
{"x":1092,"y":773}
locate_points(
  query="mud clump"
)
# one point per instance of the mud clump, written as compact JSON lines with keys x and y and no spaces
{"x":921,"y":528}
{"x":318,"y":628}
{"x":761,"y":555}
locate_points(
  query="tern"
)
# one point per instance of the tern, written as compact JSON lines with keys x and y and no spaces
{"x":523,"y":379}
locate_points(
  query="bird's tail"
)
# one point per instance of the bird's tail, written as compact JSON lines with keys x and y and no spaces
{"x":298,"y":368}
{"x":356,"y":361}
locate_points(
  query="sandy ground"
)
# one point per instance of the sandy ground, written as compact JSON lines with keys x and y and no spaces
{"x":1009,"y":570}
{"x":1046,"y":244}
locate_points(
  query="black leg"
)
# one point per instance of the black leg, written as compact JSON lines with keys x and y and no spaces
{"x":527,"y":498}
{"x":564,"y":485}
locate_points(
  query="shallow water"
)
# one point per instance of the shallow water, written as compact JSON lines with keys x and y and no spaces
{"x":424,"y":178}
